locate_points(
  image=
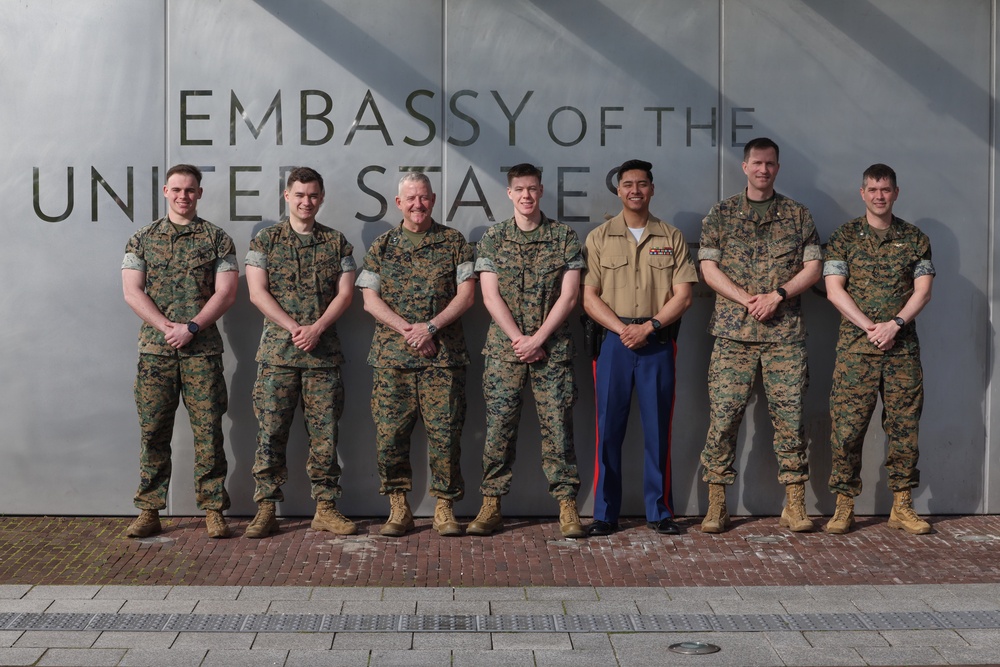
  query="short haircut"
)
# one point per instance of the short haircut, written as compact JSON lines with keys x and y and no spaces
{"x":522,"y":170}
{"x":878,"y":172}
{"x":630,"y":165}
{"x":416,"y":177}
{"x":761,"y":144}
{"x":304,"y":175}
{"x":187,"y":170}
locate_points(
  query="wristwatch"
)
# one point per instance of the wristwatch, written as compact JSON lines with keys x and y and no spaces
{"x":431,"y":329}
{"x":193,"y":327}
{"x":656,"y":323}
{"x":781,"y":292}
{"x":900,"y":322}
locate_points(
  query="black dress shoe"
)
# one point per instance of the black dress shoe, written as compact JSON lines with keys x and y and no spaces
{"x":664,"y":527}
{"x":601,"y":528}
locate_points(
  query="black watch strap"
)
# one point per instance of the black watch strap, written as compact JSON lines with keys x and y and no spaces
{"x":193,"y":327}
{"x":781,"y":292}
{"x":900,"y":322}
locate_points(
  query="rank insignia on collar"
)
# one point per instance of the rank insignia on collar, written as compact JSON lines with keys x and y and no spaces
{"x":661,"y":251}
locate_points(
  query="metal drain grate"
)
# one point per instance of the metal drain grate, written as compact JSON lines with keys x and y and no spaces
{"x":582,"y":623}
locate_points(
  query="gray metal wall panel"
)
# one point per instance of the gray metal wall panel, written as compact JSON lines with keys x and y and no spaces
{"x":838,"y":85}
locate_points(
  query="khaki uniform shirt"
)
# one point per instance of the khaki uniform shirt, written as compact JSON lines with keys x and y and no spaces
{"x":302,"y":277}
{"x":636,"y":279}
{"x":759,"y":256}
{"x":880,"y":277}
{"x":180,"y":268}
{"x":529,"y":272}
{"x":417,"y":283}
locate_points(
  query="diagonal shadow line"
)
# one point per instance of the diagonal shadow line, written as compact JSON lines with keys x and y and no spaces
{"x":905,"y":55}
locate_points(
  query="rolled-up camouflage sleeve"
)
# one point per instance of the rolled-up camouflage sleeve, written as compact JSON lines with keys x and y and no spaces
{"x":574,"y":253}
{"x":369,"y":277}
{"x":812,"y":250}
{"x":257,"y":255}
{"x":227,"y":263}
{"x":466,"y":263}
{"x":836,"y":262}
{"x":485,"y":252}
{"x":709,"y":247}
{"x":134,"y":255}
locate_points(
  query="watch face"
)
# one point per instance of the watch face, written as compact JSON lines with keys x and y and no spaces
{"x":655,"y":322}
{"x":193,"y":327}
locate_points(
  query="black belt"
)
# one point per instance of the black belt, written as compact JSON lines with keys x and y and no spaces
{"x":634,"y":320}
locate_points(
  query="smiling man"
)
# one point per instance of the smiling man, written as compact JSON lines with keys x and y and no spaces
{"x":180,"y":275}
{"x":637,"y":286}
{"x":529,"y":268}
{"x":301,"y":277}
{"x":759,"y":252}
{"x":878,"y":274}
{"x":417,"y":280}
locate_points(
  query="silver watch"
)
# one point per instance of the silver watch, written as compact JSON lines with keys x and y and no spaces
{"x":431,"y":329}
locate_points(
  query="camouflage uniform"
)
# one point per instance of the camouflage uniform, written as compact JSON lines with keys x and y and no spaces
{"x":418,"y":283}
{"x":180,"y":267}
{"x":302,"y":277}
{"x":758,"y":255}
{"x":529,"y":272}
{"x":880,"y":275}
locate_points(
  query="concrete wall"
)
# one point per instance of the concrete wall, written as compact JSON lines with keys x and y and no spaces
{"x":101,"y":97}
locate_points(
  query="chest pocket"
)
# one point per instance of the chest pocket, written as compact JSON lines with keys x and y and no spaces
{"x":786,"y":258}
{"x":616,"y":271}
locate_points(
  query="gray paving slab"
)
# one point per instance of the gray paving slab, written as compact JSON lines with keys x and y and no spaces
{"x":704,"y":593}
{"x":831,"y":606}
{"x":81,"y":657}
{"x":605,"y":593}
{"x":413,"y":594}
{"x":532,"y":640}
{"x":491,"y":593}
{"x":974,"y":590}
{"x":159,"y":607}
{"x":601,"y":607}
{"x":444,"y":607}
{"x":758,"y":593}
{"x":308,"y":641}
{"x":511,"y":658}
{"x":334,"y":607}
{"x":587,"y":658}
{"x":977,"y":637}
{"x":904,"y":638}
{"x":62,"y":592}
{"x":56,"y":639}
{"x":787,"y":640}
{"x":133,"y":593}
{"x":391,"y":658}
{"x":275,"y":593}
{"x":633,"y":651}
{"x":429,"y":641}
{"x":85,"y":606}
{"x":970,"y":655}
{"x":150,"y":640}
{"x":341,"y":593}
{"x":848,"y":638}
{"x":175,"y":657}
{"x":908,"y":591}
{"x":24,"y":606}
{"x":230,"y":657}
{"x":14,"y":657}
{"x":204,"y":593}
{"x":14,"y":591}
{"x":851,"y":592}
{"x":380,"y":607}
{"x":653,"y":607}
{"x":891,"y":604}
{"x":500,"y":607}
{"x":726,"y":607}
{"x":8,"y":637}
{"x":302,"y":658}
{"x":381,"y":641}
{"x":590,"y":641}
{"x":896,"y":655}
{"x":227,"y":607}
{"x":561,"y":593}
{"x":962,"y":603}
{"x":817,"y":657}
{"x":214,"y":640}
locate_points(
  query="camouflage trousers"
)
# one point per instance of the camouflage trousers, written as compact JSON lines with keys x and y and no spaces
{"x":731,"y":375}
{"x":277,"y":391}
{"x":858,"y":381}
{"x":399,"y":397}
{"x":555,"y":394}
{"x":160,"y":383}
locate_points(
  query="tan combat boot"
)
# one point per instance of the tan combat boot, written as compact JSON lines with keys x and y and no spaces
{"x":264,"y":523}
{"x":144,"y":525}
{"x":843,"y":516}
{"x":329,"y":518}
{"x":400,"y":517}
{"x":489,"y":519}
{"x":793,"y":516}
{"x":569,"y":519}
{"x":216,"y":524}
{"x":903,"y":516}
{"x":444,"y":518}
{"x":717,"y":517}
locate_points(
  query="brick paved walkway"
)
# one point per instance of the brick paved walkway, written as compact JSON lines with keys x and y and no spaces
{"x":93,"y":551}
